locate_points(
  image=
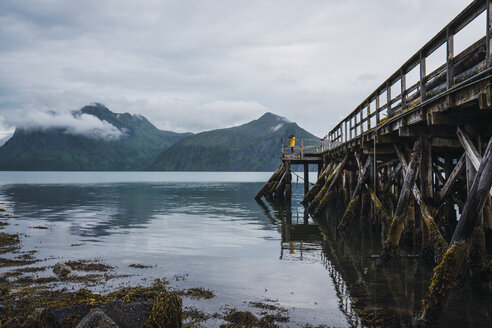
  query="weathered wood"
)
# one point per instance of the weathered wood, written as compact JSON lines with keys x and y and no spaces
{"x":426,"y":169}
{"x":477,"y":197}
{"x":436,"y":240}
{"x":439,"y":245}
{"x":275,"y":182}
{"x":452,"y":178}
{"x":361,"y":178}
{"x":446,"y":272}
{"x":288,"y":181}
{"x":267,"y":185}
{"x":392,"y":178}
{"x":306,"y":178}
{"x":398,"y":221}
{"x":470,"y":149}
{"x":379,"y":210}
{"x":323,"y":203}
{"x":314,"y":203}
{"x":352,"y":207}
{"x":279,"y":192}
{"x":317,"y":186}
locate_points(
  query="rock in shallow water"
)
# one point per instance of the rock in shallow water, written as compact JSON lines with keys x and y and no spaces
{"x":62,"y":269}
{"x":97,"y":319}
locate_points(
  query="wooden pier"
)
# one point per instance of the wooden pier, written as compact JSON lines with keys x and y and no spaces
{"x":415,"y":160}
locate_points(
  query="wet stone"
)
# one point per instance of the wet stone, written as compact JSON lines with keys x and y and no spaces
{"x":62,"y":269}
{"x":59,"y":317}
{"x":126,"y":315}
{"x":97,"y":319}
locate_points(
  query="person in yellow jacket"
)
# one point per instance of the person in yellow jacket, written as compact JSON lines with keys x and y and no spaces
{"x":292,"y":142}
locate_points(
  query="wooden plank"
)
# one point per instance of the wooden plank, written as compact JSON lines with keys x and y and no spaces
{"x":470,"y":149}
{"x":477,"y":197}
{"x":267,"y":185}
{"x":396,"y":228}
{"x":452,"y":178}
{"x":361,"y":177}
{"x":306,"y":178}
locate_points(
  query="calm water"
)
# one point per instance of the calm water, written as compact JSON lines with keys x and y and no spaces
{"x":208,"y":226}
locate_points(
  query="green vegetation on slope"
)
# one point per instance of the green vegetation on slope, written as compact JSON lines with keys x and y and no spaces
{"x":57,"y":149}
{"x":254,"y":146}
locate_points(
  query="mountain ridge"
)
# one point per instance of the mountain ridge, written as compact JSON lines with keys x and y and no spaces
{"x":59,"y":148}
{"x":253,"y":146}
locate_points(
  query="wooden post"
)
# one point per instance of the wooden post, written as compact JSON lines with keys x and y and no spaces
{"x":422,"y":77}
{"x":317,"y":186}
{"x":396,"y":228}
{"x":449,"y":59}
{"x":279,"y":192}
{"x":323,"y":203}
{"x":275,"y":183}
{"x":388,"y":97}
{"x":377,"y":109}
{"x":288,"y":181}
{"x":306,"y":178}
{"x":447,"y":271}
{"x":426,"y":170}
{"x":267,"y":185}
{"x":403,"y":83}
{"x":488,"y":41}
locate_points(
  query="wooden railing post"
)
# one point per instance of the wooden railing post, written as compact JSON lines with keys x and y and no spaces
{"x":361,"y":120}
{"x":422,"y":77}
{"x":346,"y":134}
{"x":403,"y":85}
{"x":388,"y":96}
{"x":377,"y":108}
{"x":488,"y":41}
{"x":449,"y":59}
{"x":350,"y":125}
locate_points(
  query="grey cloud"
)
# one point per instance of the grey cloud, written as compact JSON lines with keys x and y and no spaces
{"x":168,"y":59}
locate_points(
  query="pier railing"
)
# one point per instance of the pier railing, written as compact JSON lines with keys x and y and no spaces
{"x":303,"y":148}
{"x":393,"y":97}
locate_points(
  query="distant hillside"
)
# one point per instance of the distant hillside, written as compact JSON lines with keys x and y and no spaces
{"x":60,"y":149}
{"x":254,"y":146}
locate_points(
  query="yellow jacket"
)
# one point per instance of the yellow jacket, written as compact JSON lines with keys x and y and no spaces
{"x":293,"y":141}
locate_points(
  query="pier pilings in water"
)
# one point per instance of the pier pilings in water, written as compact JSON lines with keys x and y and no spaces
{"x":426,"y":178}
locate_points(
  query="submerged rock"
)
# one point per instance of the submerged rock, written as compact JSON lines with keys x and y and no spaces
{"x":62,"y":269}
{"x":97,"y":319}
{"x":127,"y":315}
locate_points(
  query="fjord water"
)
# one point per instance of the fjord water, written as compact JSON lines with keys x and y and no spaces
{"x":207,"y":227}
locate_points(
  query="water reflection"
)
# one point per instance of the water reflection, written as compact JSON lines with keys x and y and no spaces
{"x":370,"y":292}
{"x":101,"y":210}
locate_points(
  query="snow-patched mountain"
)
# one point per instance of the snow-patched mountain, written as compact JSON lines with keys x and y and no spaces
{"x":92,"y":138}
{"x":254,"y":146}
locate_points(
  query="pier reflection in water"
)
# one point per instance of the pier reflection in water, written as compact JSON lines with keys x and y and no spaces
{"x":370,"y":292}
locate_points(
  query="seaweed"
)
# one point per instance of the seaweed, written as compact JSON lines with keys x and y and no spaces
{"x":198,"y":293}
{"x":87,"y":265}
{"x":166,"y":311}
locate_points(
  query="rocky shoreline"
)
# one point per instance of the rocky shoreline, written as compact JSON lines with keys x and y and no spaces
{"x":31,"y":299}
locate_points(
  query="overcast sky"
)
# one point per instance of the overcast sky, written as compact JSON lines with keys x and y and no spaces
{"x":198,"y":65}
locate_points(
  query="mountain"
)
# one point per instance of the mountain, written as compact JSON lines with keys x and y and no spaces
{"x":132,"y":144}
{"x":254,"y":146}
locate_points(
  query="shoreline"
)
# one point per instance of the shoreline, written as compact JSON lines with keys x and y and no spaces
{"x":31,"y":294}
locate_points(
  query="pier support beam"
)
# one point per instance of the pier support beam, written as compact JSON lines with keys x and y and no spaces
{"x":288,"y":181}
{"x":398,"y":222}
{"x":446,"y":272}
{"x":306,"y":178}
